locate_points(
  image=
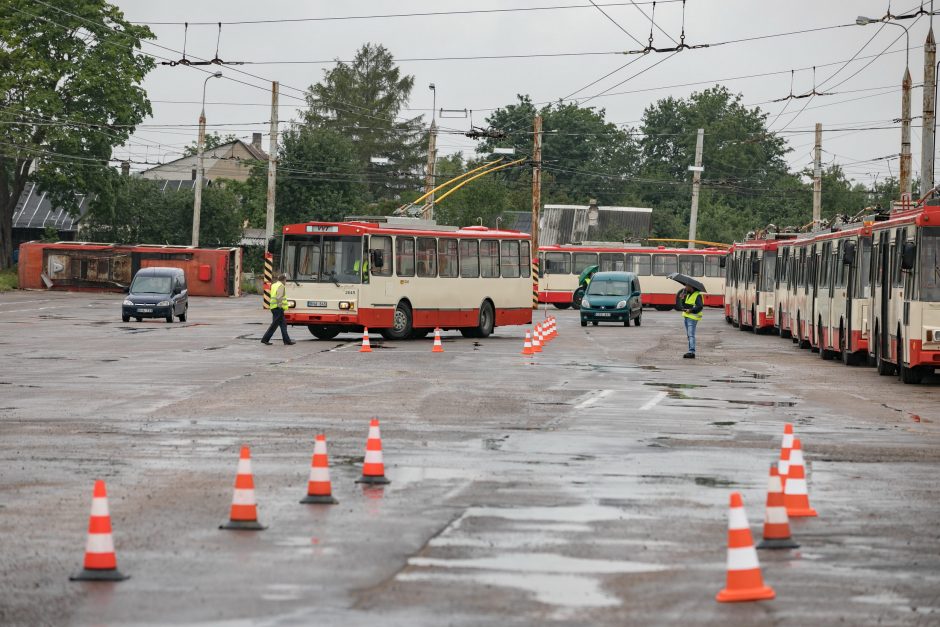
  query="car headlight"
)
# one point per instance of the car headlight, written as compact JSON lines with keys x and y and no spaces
{"x":621,"y":304}
{"x":585,"y":302}
{"x":129,"y":303}
{"x":163,"y":303}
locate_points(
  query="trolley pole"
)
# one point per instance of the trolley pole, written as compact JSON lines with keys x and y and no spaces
{"x":536,"y":203}
{"x":930,"y":113}
{"x":696,"y":185}
{"x":817,"y":176}
{"x":272,"y":168}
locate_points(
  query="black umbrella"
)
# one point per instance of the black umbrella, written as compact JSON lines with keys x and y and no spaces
{"x":687,"y":281}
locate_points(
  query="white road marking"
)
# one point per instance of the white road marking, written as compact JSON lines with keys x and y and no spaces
{"x":653,"y":402}
{"x":590,"y":401}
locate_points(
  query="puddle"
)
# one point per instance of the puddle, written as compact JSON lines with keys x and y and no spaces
{"x":282,"y":592}
{"x":726,"y":423}
{"x":493,"y":444}
{"x":575,"y":514}
{"x":213,"y":348}
{"x":766,"y":403}
{"x":676,"y":386}
{"x":539,"y":563}
{"x":756,"y":375}
{"x":413,"y":474}
{"x":732,"y":381}
{"x":714,"y":482}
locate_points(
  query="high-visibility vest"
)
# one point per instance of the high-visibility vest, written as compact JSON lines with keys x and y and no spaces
{"x":365,"y":266}
{"x":273,"y":304}
{"x":690,"y":301}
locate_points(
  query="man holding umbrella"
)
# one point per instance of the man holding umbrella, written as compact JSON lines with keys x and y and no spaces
{"x":689,"y":301}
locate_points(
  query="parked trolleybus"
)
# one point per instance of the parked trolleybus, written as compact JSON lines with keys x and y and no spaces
{"x":867,"y":292}
{"x":750,"y":284}
{"x":561,"y":265}
{"x":405,"y":277}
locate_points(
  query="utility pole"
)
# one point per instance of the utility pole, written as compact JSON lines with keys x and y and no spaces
{"x":817,"y":176}
{"x":431,"y":167}
{"x":906,"y":134}
{"x":200,"y":147}
{"x":696,"y":185}
{"x":930,"y":114}
{"x":536,"y":206}
{"x":272,"y":167}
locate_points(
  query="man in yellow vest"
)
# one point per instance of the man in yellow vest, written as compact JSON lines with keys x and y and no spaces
{"x":689,"y":302}
{"x":278,"y":305}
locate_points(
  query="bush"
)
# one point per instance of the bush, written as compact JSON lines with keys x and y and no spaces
{"x":9,"y":279}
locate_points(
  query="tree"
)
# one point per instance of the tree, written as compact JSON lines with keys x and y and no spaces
{"x":213,"y":140}
{"x":69,"y":92}
{"x":362,"y":101}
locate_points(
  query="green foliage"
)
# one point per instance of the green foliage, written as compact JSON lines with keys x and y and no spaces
{"x":362,"y":101}
{"x":50,"y":234}
{"x":69,"y":91}
{"x":213,"y":140}
{"x":9,"y":279}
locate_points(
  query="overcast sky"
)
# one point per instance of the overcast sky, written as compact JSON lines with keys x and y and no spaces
{"x":870,"y":98}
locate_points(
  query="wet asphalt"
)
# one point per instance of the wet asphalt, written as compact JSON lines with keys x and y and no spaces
{"x":586,"y":485}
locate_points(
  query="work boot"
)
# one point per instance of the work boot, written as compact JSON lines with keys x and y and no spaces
{"x":689,"y":356}
{"x":290,"y":342}
{"x":265,"y":343}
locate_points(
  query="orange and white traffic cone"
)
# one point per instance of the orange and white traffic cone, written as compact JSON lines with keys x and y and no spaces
{"x":366,"y":347}
{"x":795,"y":493}
{"x":100,"y":560}
{"x":744,"y":581}
{"x":551,"y":328}
{"x":319,"y":488}
{"x":373,"y":468}
{"x":776,"y":521}
{"x":244,"y":514}
{"x":783,"y":466}
{"x":438,"y":347}
{"x":527,"y":347}
{"x":536,"y":340}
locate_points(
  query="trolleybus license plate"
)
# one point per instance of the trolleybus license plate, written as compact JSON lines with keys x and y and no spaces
{"x":316,"y":303}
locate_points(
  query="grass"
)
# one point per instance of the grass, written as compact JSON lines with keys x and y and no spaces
{"x":9,"y":280}
{"x":249,"y":287}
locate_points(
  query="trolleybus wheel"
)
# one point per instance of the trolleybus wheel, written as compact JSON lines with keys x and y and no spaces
{"x":401,"y":328}
{"x":885,"y":369}
{"x":910,"y":376}
{"x":323,"y":332}
{"x":577,"y":296}
{"x":754,"y":326}
{"x":802,"y":343}
{"x":561,"y":305}
{"x":487,"y":320}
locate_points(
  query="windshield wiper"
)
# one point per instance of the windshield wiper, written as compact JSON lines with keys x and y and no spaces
{"x":332,"y":276}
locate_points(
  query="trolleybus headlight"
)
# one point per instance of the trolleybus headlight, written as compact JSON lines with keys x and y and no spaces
{"x":291,"y":304}
{"x":345,"y":304}
{"x":621,"y":304}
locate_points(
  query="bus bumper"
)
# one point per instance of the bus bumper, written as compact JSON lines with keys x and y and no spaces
{"x":920,"y":357}
{"x":378,"y":318}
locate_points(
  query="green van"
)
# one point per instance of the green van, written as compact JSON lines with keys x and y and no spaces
{"x":612,"y":297}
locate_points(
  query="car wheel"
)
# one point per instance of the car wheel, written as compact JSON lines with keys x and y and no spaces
{"x":584,"y":323}
{"x":594,"y":323}
{"x":402,"y":322}
{"x":561,"y":305}
{"x":323,"y":332}
{"x":169,"y":316}
{"x":139,"y":319}
{"x":626,"y":322}
{"x":125,"y":318}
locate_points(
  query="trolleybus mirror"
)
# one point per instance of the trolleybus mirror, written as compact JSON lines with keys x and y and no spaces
{"x":722,"y":262}
{"x":378,"y":258}
{"x":274,"y":245}
{"x":908,"y":254}
{"x":755,"y":266}
{"x":848,"y":253}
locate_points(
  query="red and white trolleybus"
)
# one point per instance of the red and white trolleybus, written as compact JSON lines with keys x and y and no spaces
{"x":405,"y":277}
{"x":561,"y":265}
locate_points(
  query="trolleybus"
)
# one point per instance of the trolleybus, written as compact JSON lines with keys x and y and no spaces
{"x":405,"y":277}
{"x":560,"y":266}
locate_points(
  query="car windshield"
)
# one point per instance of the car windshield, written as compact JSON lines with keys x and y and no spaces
{"x":151,"y":285}
{"x":323,"y":259}
{"x":608,"y":288}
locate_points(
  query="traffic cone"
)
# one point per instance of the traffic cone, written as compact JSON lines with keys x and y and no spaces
{"x":319,"y":488}
{"x":527,"y":347}
{"x":373,"y":469}
{"x":795,"y":494}
{"x":366,"y":347}
{"x":438,"y":348}
{"x":100,"y":560}
{"x":776,"y":521}
{"x":536,"y":340}
{"x":244,"y":508}
{"x":783,"y":467}
{"x":551,"y":328}
{"x":743,"y":581}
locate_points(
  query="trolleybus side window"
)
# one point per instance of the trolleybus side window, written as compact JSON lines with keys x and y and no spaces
{"x":713,"y":265}
{"x":426,"y":257}
{"x":405,"y":255}
{"x":611,"y":262}
{"x":899,"y":240}
{"x":383,"y":244}
{"x":864,"y":268}
{"x":447,"y":257}
{"x":768,"y":269}
{"x":664,"y":265}
{"x":509,"y":258}
{"x":638,"y":264}
{"x":842,"y":269}
{"x":525,"y":259}
{"x":489,"y":258}
{"x":692,"y":265}
{"x":929,"y":265}
{"x":580,"y":261}
{"x":557,"y":263}
{"x":469,"y":258}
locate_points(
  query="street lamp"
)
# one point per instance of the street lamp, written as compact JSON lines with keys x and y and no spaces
{"x":431,"y":181}
{"x":905,"y":174}
{"x":200,"y":145}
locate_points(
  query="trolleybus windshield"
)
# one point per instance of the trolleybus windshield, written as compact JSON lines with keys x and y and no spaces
{"x":323,"y":258}
{"x":930,"y":265}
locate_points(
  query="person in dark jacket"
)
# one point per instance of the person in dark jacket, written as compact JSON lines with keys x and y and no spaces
{"x":690,"y":303}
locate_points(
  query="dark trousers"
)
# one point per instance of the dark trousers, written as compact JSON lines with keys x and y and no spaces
{"x":277,"y":320}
